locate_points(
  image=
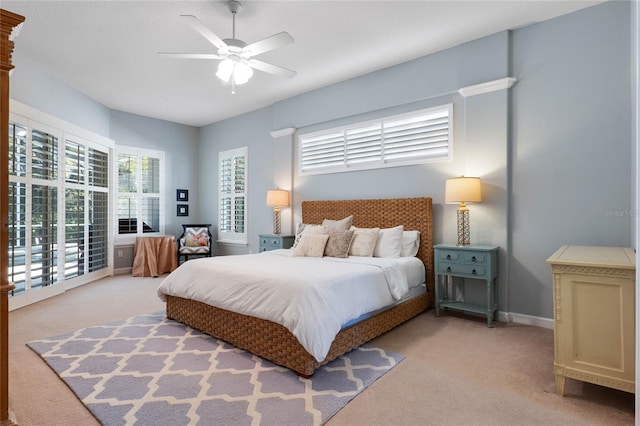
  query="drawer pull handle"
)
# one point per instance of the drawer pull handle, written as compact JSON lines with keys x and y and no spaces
{"x":473,"y":259}
{"x":473,"y":272}
{"x":448,"y":257}
{"x":448,"y":268}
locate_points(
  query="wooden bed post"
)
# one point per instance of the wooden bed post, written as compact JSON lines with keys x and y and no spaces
{"x":8,"y":21}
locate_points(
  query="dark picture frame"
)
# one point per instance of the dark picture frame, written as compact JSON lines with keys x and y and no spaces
{"x":182,"y":195}
{"x":182,"y":210}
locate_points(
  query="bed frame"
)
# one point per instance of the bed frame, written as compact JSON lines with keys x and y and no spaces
{"x":273,"y":341}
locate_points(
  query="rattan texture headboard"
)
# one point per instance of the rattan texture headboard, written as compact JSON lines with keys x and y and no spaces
{"x":412,"y":213}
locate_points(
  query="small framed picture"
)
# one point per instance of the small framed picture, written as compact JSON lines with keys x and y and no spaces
{"x":182,"y":195}
{"x":183,"y":210}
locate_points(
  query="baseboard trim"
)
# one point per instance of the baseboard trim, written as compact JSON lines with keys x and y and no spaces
{"x":526,"y":319}
{"x":123,"y":271}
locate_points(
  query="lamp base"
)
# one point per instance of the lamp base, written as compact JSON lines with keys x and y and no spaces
{"x":276,"y":221}
{"x":463,"y":227}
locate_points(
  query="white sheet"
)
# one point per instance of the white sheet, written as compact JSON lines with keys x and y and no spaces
{"x":311,"y":297}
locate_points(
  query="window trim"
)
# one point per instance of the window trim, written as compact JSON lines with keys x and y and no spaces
{"x":233,"y":238}
{"x":126,"y":239}
{"x":373,"y":164}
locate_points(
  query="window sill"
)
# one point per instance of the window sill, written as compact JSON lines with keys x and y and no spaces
{"x":233,"y":243}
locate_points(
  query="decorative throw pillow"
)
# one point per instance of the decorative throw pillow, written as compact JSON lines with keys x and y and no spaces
{"x":338,"y":244}
{"x":389,"y":242}
{"x":364,"y":241}
{"x":300,"y":230}
{"x":338,"y":225}
{"x":197,"y":240}
{"x":410,"y":243}
{"x":311,"y":245}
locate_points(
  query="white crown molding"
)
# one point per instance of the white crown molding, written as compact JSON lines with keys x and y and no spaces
{"x":283,"y":132}
{"x":489,"y":86}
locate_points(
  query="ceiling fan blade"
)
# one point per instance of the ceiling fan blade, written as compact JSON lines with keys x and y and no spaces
{"x":271,"y":69}
{"x":269,"y":43}
{"x":190,"y":55}
{"x":205,"y":32}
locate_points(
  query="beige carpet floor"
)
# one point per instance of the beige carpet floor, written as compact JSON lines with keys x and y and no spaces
{"x":456,"y":372}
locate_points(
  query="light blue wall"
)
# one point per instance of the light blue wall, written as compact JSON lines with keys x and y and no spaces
{"x":250,"y":130}
{"x":181,"y":153}
{"x":572,"y":145}
{"x":41,"y":91}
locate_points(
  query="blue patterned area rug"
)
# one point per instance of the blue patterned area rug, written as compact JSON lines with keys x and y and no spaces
{"x":148,"y":370}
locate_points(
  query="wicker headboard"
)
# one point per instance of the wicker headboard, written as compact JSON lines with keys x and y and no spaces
{"x":413,"y":213}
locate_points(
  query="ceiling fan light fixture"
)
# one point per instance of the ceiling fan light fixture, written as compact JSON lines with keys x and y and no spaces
{"x":234,"y":71}
{"x":242,"y":73}
{"x":225,"y":70}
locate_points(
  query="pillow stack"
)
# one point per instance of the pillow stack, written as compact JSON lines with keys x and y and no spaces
{"x":336,"y":244}
{"x":338,"y":238}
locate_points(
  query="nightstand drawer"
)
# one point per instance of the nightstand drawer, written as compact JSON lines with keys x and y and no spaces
{"x":449,"y":255}
{"x":272,"y":242}
{"x":462,"y":269}
{"x":275,"y":242}
{"x":475,"y":258}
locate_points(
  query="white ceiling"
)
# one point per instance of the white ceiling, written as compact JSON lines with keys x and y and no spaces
{"x":108,"y":49}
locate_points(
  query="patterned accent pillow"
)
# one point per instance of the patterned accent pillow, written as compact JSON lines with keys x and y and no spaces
{"x":364,"y":241}
{"x":198,"y":240}
{"x":306,"y":229}
{"x":311,"y":245}
{"x":338,"y":225}
{"x":338,"y":244}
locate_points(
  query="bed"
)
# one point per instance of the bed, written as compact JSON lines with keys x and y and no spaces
{"x":275,"y":342}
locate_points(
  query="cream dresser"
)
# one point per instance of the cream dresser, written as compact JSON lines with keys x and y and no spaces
{"x":594,"y":321}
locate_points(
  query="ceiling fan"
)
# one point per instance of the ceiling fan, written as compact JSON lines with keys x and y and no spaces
{"x":237,"y":62}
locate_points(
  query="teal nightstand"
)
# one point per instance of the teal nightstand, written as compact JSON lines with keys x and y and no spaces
{"x":478,"y":262}
{"x":274,"y":242}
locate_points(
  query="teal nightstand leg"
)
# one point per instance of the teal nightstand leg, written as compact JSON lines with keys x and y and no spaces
{"x":490,"y":303}
{"x":437,"y":284}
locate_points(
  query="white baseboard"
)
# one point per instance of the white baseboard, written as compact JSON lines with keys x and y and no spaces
{"x":526,"y":319}
{"x":122,"y":271}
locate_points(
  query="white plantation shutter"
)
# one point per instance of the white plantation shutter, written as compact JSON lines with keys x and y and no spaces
{"x":413,"y":138}
{"x":233,"y":193}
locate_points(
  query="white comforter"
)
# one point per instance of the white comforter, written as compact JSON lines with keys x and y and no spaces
{"x":311,"y":297}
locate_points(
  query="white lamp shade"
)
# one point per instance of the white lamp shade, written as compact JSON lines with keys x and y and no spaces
{"x":277,"y":198}
{"x":462,"y":190}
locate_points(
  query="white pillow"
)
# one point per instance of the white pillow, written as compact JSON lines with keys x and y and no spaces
{"x":364,"y":241}
{"x":311,"y":245}
{"x":410,"y":243}
{"x":389,"y":242}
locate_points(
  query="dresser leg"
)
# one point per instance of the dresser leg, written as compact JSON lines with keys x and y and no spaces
{"x":560,"y":380}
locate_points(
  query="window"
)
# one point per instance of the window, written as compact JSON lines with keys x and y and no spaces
{"x":54,"y":176}
{"x":412,"y":138}
{"x":140,"y":189}
{"x":232,"y":222}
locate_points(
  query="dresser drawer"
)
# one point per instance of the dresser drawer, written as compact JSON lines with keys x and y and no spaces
{"x":474,"y":271}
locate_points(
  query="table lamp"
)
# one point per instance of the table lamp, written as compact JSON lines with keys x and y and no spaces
{"x":277,"y":198}
{"x":462,"y":190}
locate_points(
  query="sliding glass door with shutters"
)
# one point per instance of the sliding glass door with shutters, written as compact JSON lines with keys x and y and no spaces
{"x":59,"y":210}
